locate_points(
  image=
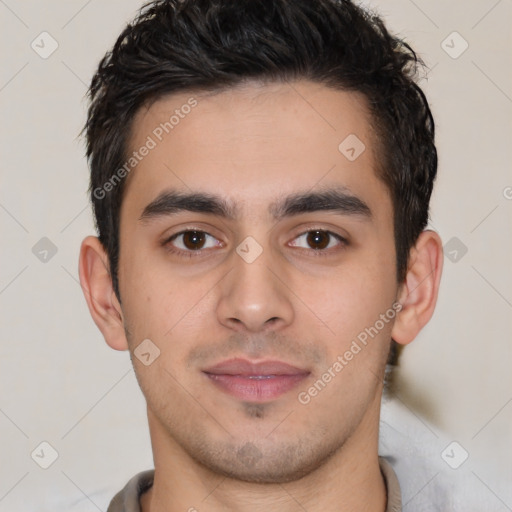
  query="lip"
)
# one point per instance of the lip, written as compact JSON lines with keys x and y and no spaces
{"x":255,"y":381}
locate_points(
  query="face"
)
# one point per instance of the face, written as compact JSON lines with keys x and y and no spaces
{"x":258,"y":258}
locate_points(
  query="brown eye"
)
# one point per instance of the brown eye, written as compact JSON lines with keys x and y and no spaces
{"x":194,"y":240}
{"x":318,"y":239}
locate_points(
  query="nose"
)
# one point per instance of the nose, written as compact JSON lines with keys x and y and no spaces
{"x":253,"y":298}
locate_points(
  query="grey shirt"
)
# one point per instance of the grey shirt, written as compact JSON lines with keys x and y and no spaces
{"x":128,"y":499}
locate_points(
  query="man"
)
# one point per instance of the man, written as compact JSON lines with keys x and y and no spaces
{"x":261,"y":172}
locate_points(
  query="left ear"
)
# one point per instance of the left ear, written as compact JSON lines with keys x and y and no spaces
{"x":418,"y":292}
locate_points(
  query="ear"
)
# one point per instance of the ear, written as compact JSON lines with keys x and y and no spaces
{"x":418,"y":292}
{"x":99,"y":293}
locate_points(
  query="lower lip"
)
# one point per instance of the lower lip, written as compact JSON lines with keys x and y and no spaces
{"x":260,"y":389}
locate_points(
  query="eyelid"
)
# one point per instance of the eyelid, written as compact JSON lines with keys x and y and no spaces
{"x":170,"y":247}
{"x":207,"y":231}
{"x":343,"y":240}
{"x":177,"y":235}
{"x":334,"y":231}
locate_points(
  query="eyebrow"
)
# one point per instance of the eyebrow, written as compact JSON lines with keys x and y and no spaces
{"x":171,"y":202}
{"x":336,"y":200}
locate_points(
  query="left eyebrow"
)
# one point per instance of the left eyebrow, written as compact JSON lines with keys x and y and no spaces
{"x":338,"y":200}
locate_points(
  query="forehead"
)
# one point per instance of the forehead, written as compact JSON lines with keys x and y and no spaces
{"x":253,"y":143}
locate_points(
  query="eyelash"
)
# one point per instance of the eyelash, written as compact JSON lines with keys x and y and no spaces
{"x":187,"y":254}
{"x":323,"y":252}
{"x":200,"y":252}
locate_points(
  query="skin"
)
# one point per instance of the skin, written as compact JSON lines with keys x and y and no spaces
{"x":253,"y":146}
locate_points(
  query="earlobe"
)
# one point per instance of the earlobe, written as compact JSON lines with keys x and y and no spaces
{"x":99,"y":293}
{"x":418,"y":293}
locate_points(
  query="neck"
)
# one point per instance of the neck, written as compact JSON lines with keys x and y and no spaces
{"x":349,"y":480}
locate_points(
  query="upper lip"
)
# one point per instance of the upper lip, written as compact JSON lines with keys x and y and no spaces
{"x":247,"y":368}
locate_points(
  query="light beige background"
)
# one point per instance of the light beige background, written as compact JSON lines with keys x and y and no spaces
{"x":60,"y":383}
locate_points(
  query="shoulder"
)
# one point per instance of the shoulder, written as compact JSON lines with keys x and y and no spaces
{"x":127,"y":499}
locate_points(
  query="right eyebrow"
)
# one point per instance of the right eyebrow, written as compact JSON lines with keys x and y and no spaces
{"x":170,"y":202}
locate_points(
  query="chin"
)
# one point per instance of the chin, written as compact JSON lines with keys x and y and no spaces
{"x":250,"y":462}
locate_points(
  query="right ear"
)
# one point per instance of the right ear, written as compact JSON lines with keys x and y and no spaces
{"x":99,"y":293}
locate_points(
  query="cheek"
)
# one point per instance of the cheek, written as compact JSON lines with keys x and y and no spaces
{"x":164,"y":306}
{"x":351,"y":305}
{"x":350,"y":298}
{"x":146,"y":295}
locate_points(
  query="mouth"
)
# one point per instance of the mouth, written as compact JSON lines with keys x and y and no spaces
{"x":255,"y":382}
